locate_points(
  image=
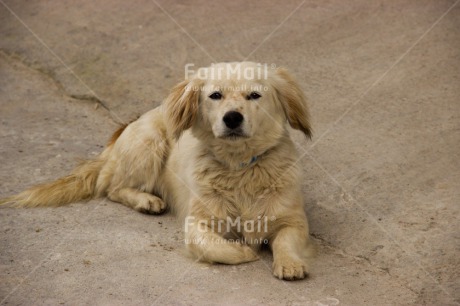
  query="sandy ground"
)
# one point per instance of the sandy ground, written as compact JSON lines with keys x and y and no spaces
{"x":382,"y":179}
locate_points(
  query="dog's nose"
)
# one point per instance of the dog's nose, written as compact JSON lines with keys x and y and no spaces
{"x":233,"y":119}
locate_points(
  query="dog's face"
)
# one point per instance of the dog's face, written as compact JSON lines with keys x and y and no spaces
{"x":236,"y":104}
{"x":238,"y":101}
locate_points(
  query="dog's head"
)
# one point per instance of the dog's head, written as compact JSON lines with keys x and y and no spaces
{"x":236,"y":102}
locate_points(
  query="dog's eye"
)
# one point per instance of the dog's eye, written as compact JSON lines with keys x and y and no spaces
{"x":253,"y":96}
{"x":216,"y":95}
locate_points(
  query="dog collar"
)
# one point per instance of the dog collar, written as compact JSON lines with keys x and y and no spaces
{"x":242,"y":165}
{"x":253,"y":160}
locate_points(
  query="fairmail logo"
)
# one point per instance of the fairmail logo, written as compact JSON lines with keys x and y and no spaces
{"x":260,"y":71}
{"x":227,"y":225}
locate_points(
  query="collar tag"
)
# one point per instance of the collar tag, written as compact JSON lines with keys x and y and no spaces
{"x":253,"y":160}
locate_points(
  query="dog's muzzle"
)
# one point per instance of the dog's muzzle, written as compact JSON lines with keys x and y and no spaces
{"x":233,"y":120}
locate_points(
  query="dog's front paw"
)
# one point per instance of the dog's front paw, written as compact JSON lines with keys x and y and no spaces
{"x":150,"y":204}
{"x":290,"y":269}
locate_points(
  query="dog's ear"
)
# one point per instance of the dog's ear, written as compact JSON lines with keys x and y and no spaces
{"x":293,"y":101}
{"x":181,"y":107}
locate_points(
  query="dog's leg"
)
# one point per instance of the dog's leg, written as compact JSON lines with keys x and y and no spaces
{"x":140,"y":201}
{"x":290,"y":248}
{"x":135,"y":165}
{"x":208,"y":246}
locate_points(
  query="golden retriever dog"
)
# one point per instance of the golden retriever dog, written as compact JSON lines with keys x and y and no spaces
{"x":218,"y":153}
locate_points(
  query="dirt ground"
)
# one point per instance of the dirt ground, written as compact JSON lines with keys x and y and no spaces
{"x":381,"y":174}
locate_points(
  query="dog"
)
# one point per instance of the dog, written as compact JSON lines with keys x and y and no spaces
{"x":218,"y":154}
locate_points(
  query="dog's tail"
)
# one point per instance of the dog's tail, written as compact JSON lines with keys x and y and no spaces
{"x":77,"y":186}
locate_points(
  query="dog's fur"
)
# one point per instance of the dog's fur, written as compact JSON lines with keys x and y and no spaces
{"x":183,"y":154}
